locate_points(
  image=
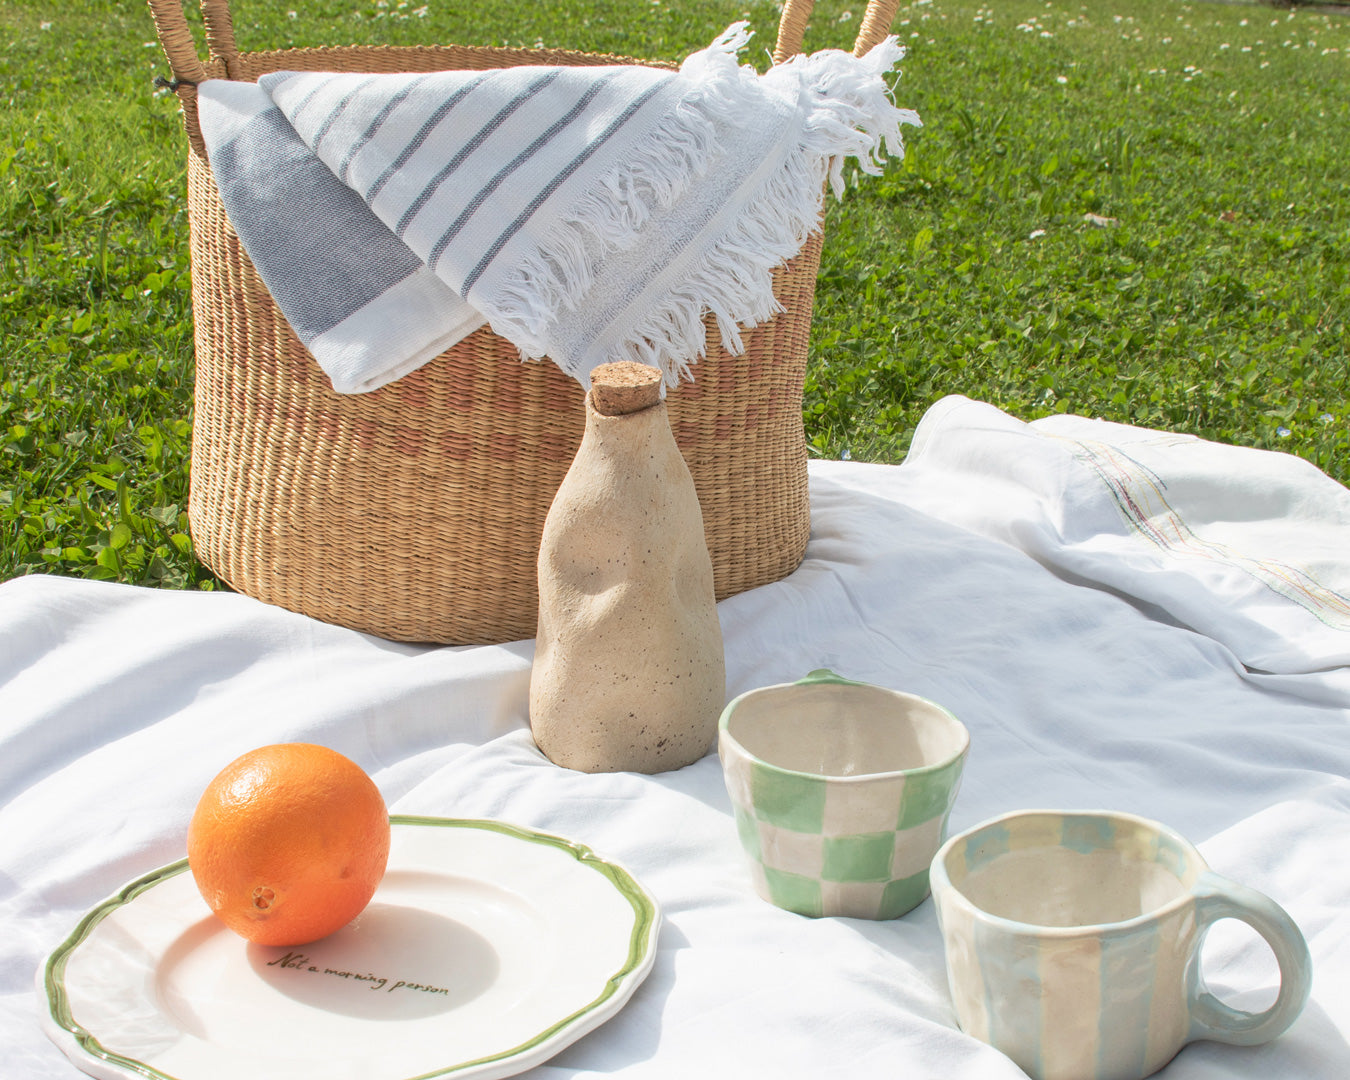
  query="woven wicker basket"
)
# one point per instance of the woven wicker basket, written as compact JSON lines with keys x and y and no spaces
{"x":414,"y":512}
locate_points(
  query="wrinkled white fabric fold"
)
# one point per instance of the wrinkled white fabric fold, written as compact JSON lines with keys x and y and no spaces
{"x":992,"y":572}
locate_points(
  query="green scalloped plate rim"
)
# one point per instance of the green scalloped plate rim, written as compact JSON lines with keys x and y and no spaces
{"x":620,"y":985}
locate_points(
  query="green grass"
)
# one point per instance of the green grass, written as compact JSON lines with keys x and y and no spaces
{"x":1212,"y":296}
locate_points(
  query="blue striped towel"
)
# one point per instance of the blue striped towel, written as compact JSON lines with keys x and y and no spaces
{"x":588,"y":214}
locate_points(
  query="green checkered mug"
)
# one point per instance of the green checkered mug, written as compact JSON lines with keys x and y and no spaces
{"x":841,"y":792}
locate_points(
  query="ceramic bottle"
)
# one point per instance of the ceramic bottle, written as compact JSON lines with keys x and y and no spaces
{"x":629,"y":672}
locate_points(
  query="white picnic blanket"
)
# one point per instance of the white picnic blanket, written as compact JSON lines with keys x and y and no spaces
{"x":588,"y":214}
{"x":1123,"y":619}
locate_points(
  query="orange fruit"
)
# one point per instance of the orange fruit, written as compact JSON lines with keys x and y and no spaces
{"x":288,"y":843}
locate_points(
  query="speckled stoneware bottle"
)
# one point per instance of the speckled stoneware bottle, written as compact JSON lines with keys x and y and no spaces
{"x":629,"y":672}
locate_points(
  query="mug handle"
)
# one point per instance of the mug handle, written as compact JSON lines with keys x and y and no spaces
{"x":1216,"y":897}
{"x":825,"y":675}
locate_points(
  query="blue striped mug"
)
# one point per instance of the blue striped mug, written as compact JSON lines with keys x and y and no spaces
{"x":1072,"y":943}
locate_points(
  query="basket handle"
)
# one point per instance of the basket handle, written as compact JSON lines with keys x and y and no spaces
{"x":176,"y":38}
{"x":876,"y":24}
{"x":181,"y":50}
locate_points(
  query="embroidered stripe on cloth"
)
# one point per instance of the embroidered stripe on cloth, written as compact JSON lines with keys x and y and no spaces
{"x":588,"y":214}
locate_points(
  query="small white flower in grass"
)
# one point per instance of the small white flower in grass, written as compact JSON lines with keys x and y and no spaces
{"x":1036,"y":234}
{"x":845,"y":16}
{"x":1246,"y":48}
{"x":1326,"y":418}
{"x":1243,"y":22}
{"x":1167,"y":41}
{"x":292,"y":14}
{"x":1283,"y":432}
{"x":1062,"y":79}
{"x":846,"y":455}
{"x":1223,"y":46}
{"x":421,"y":12}
{"x":1265,"y":63}
{"x":1046,"y":33}
{"x":44,"y":26}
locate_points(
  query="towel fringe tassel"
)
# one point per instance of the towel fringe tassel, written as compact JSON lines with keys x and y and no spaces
{"x":849,"y":115}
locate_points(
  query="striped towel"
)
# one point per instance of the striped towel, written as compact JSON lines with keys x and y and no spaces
{"x":588,"y":214}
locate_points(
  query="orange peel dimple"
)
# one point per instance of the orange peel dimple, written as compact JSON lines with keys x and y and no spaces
{"x":302,"y":818}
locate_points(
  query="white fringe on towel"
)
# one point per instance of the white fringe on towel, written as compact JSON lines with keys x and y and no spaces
{"x":589,"y":214}
{"x":840,"y":108}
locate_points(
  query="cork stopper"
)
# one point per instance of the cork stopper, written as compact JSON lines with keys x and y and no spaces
{"x":624,"y":387}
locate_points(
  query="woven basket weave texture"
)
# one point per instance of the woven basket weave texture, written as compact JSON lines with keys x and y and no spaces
{"x":414,"y":512}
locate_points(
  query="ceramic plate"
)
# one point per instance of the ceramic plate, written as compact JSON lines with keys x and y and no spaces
{"x":486,"y":949}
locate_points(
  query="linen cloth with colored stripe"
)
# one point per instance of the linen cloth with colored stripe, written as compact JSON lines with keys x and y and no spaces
{"x":588,"y":214}
{"x":1124,"y":619}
